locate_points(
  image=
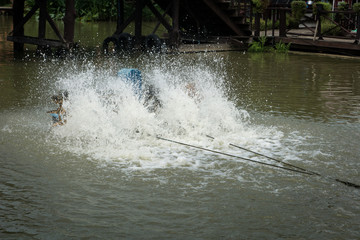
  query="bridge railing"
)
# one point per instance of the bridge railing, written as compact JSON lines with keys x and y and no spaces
{"x":347,"y":21}
{"x":243,"y":9}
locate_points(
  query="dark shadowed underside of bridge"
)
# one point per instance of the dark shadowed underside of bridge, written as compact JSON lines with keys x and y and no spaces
{"x":212,"y":17}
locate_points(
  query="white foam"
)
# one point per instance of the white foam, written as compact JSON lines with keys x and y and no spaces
{"x":107,"y":123}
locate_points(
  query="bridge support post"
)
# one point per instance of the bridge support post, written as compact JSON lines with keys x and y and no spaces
{"x":19,"y":20}
{"x":320,"y":8}
{"x":138,"y":22}
{"x":175,"y":35}
{"x":120,"y":14}
{"x":357,"y":38}
{"x":42,"y":23}
{"x":257,"y":25}
{"x":69,"y":21}
{"x":282,"y":27}
{"x":18,"y":17}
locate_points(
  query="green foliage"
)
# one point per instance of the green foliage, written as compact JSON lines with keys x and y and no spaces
{"x":260,"y":5}
{"x":356,"y":7}
{"x":343,"y":6}
{"x":255,"y":47}
{"x":298,"y":9}
{"x":260,"y":46}
{"x":282,"y":47}
{"x":326,"y":7}
{"x":28,"y":5}
{"x":292,"y":22}
{"x":91,"y":10}
{"x":329,"y":28}
{"x":56,"y":8}
{"x":96,"y":10}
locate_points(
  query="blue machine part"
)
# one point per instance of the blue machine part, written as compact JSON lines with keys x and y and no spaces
{"x":132,"y":76}
{"x":55,"y":117}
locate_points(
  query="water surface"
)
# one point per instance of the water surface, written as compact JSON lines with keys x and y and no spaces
{"x":105,"y":174}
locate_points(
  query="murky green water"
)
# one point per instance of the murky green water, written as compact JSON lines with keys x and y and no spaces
{"x":105,"y":174}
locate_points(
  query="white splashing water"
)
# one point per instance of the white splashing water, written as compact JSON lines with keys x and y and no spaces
{"x":107,"y":122}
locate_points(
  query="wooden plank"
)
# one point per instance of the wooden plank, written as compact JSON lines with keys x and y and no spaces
{"x":42,"y":18}
{"x":69,"y":21}
{"x":6,"y":9}
{"x":36,"y":41}
{"x":308,"y":45}
{"x":120,"y":13}
{"x":282,"y":25}
{"x":138,"y":20}
{"x":317,"y":43}
{"x":175,"y":35}
{"x":18,"y":23}
{"x":197,"y":48}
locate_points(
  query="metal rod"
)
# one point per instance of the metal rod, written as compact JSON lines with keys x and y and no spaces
{"x":302,"y":170}
{"x":276,"y":160}
{"x":235,"y":156}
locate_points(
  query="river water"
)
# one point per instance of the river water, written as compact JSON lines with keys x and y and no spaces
{"x":107,"y":175}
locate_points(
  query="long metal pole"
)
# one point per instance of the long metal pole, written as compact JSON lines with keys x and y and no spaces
{"x":349,"y":184}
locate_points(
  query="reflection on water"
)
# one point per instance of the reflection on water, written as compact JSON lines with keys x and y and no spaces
{"x":317,"y":87}
{"x":5,"y":47}
{"x":105,"y":174}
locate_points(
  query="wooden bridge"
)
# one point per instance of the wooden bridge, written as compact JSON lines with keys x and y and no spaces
{"x":190,"y":21}
{"x":202,"y":21}
{"x":186,"y":22}
{"x":17,"y":36}
{"x":307,"y":35}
